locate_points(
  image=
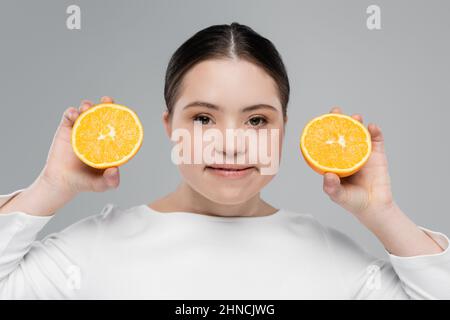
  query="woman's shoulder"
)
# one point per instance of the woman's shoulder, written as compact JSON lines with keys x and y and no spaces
{"x":336,"y":240}
{"x":329,"y":233}
{"x":110,"y":219}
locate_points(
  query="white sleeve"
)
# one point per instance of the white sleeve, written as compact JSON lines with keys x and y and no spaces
{"x":4,"y":198}
{"x":415,"y":277}
{"x":47,"y":269}
{"x":425,"y":276}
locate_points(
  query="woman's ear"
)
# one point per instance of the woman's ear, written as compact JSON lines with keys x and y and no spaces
{"x":166,"y":122}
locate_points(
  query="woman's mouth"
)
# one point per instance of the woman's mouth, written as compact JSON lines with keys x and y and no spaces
{"x":230,"y":170}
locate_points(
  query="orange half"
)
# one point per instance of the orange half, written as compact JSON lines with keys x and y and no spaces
{"x":335,"y":143}
{"x":107,"y":135}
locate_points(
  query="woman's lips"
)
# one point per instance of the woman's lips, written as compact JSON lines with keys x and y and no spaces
{"x":230,"y":171}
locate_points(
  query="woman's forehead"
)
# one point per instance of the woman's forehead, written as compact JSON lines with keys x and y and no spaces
{"x":230,"y":83}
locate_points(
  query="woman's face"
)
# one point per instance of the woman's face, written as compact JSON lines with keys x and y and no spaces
{"x":222,"y":97}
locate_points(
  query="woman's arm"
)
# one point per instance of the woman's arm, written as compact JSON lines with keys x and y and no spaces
{"x":364,"y":276}
{"x":399,"y":235}
{"x":42,"y":269}
{"x":39,"y":199}
{"x":367,"y":195}
{"x":51,"y":268}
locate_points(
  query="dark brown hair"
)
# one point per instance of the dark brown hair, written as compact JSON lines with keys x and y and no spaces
{"x":225,"y":41}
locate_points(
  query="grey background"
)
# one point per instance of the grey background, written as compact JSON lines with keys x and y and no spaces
{"x":397,"y":77}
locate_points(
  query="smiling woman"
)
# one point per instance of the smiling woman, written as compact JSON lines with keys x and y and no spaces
{"x":214,"y":237}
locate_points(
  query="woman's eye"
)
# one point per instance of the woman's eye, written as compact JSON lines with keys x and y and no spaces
{"x":257,"y":121}
{"x":204,"y":120}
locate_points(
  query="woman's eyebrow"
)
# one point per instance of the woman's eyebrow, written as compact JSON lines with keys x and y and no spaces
{"x":215,"y":107}
{"x":259,"y":106}
{"x":201,"y":104}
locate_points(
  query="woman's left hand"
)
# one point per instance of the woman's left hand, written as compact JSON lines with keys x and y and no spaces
{"x":367,"y":191}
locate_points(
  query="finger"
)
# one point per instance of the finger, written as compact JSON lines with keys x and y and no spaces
{"x":336,"y":109}
{"x":85,"y":104}
{"x":112,"y":177}
{"x":69,"y":117}
{"x":377,"y":137}
{"x":98,"y":184}
{"x":333,"y":188}
{"x":106,"y":99}
{"x":358,"y":117}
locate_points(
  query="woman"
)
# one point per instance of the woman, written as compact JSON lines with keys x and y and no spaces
{"x":214,"y":237}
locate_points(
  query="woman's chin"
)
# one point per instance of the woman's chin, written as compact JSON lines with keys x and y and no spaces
{"x":226,"y":188}
{"x":228,"y":196}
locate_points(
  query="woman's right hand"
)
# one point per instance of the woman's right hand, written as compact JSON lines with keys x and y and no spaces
{"x":64,"y":170}
{"x":64,"y":175}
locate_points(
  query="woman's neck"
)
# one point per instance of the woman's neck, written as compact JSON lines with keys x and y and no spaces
{"x":186,"y":199}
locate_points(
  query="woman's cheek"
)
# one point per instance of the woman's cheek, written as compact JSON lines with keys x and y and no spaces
{"x":269,"y":150}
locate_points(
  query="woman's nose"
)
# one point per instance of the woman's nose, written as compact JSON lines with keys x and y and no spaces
{"x":233,"y":143}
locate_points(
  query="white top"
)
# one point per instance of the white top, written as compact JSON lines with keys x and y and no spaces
{"x":144,"y":254}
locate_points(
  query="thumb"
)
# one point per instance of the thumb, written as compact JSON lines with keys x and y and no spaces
{"x":112,"y":177}
{"x":332,"y":186}
{"x":108,"y":179}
